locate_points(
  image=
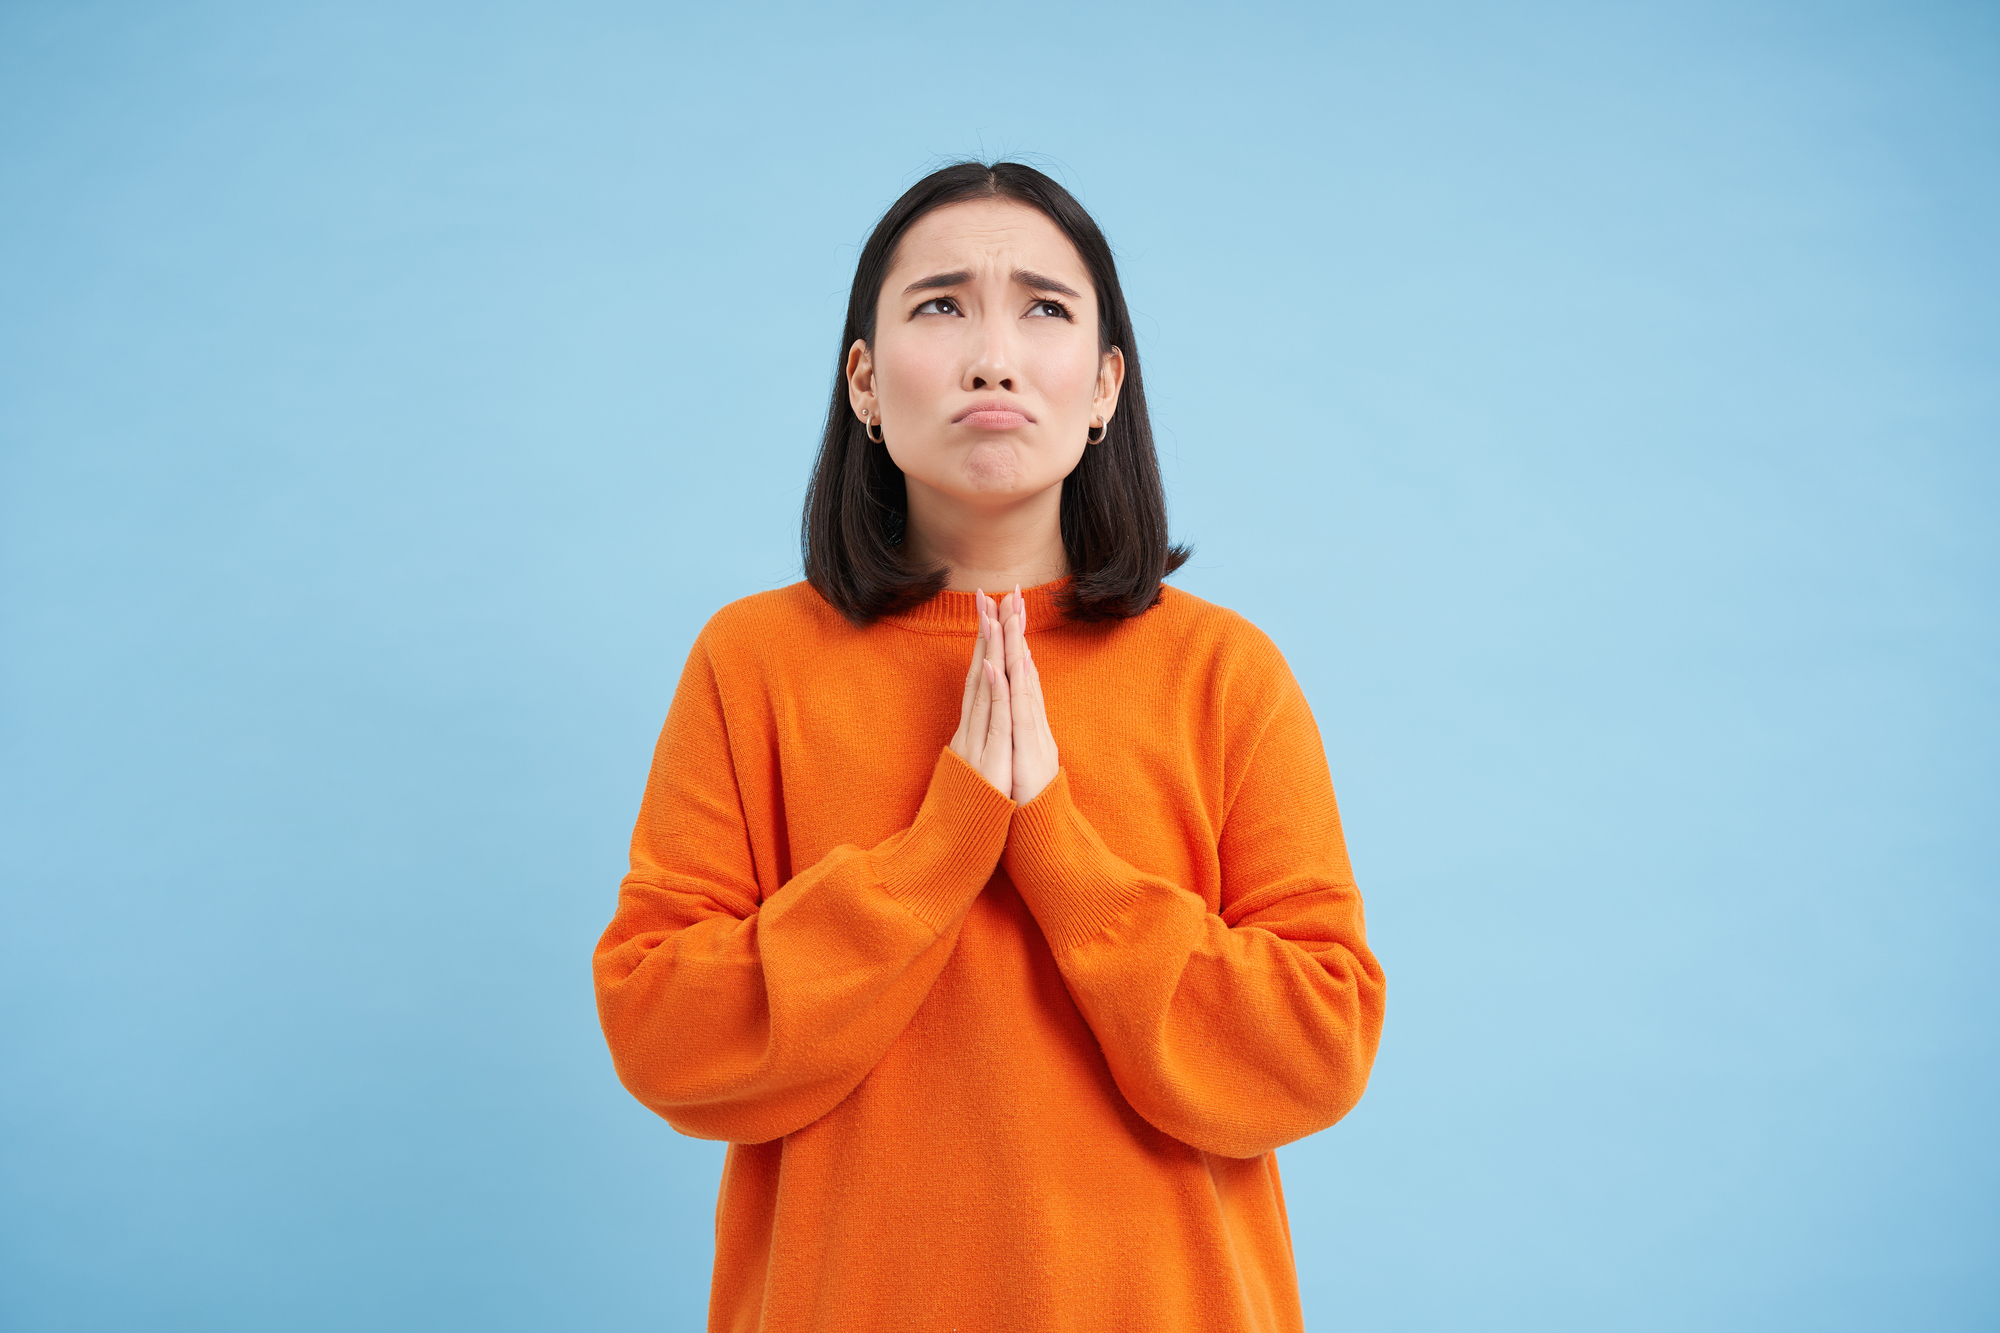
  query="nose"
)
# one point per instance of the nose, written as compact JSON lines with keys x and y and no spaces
{"x":992,"y":363}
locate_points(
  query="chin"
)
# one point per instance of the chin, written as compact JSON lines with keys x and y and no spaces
{"x":993,"y":467}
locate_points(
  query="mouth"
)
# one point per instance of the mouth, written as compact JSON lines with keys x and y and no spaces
{"x":992,"y":416}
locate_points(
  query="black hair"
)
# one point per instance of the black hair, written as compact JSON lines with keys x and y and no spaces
{"x":1114,"y":510}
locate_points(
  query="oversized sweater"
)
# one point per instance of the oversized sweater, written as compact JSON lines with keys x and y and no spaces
{"x":986,"y":1066}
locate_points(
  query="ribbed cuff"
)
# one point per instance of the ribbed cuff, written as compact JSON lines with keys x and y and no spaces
{"x":1074,"y":884}
{"x":938,"y":865}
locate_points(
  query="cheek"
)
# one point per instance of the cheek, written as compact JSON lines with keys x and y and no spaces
{"x":1067,"y":376}
{"x":914,"y":370}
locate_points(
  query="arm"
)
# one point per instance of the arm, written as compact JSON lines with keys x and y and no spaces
{"x":745,"y":1020}
{"x":1236,"y":1032}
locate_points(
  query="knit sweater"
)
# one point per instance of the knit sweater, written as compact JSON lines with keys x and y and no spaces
{"x":986,"y":1066}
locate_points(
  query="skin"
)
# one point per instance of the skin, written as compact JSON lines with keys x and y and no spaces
{"x":985,"y":376}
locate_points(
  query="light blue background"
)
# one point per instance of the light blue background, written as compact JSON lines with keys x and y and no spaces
{"x":1596,"y":402}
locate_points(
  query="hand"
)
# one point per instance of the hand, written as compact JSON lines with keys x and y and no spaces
{"x":985,"y":736}
{"x":1035,"y":758}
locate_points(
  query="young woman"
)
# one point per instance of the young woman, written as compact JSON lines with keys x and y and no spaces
{"x":1003,"y":935}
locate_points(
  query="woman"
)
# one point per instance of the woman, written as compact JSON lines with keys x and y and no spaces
{"x":1002,"y":937}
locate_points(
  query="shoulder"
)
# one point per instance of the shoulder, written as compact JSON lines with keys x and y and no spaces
{"x":1238,"y":666}
{"x":792,"y":607}
{"x":753,"y":627}
{"x":1202,"y":629}
{"x":1249,"y":687}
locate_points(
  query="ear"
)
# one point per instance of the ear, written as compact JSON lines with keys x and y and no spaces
{"x":1110,"y":379}
{"x":860,"y":378}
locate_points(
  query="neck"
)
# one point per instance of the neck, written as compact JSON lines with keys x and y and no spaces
{"x":993,"y":548}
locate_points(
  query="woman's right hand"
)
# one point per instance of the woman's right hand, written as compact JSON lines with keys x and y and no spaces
{"x":985,"y":736}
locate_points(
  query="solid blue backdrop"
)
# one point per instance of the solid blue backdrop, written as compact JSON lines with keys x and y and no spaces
{"x":1597,"y":404}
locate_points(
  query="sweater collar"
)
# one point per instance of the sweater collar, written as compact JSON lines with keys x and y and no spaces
{"x":953,"y":612}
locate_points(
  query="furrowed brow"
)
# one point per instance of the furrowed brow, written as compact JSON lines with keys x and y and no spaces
{"x":1041,"y":283}
{"x":938,"y":280}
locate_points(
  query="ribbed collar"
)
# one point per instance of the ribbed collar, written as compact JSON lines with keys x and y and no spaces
{"x":953,"y":612}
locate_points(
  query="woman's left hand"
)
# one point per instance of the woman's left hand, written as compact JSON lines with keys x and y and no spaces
{"x":1035,"y":758}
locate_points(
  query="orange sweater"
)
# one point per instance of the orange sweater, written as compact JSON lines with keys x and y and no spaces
{"x":982,"y":1066}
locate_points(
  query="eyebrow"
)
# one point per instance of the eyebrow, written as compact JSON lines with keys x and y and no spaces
{"x":938,"y":280}
{"x":1041,"y":282}
{"x":1026,"y":277}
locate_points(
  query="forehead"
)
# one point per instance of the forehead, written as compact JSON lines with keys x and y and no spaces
{"x":982,"y":234}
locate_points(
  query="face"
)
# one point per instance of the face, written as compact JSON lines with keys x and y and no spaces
{"x":985,"y":376}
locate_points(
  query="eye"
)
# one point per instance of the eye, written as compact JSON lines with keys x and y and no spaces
{"x":1049,"y":310}
{"x":938,"y":305}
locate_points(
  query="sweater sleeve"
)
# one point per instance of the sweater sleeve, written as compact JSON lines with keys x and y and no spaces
{"x":746,"y":1020}
{"x":1233,"y":1032}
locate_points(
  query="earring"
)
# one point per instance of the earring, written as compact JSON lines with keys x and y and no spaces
{"x":874,"y":431}
{"x":1095,"y":435}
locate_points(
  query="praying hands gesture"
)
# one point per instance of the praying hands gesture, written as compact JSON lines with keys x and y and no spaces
{"x":1003,"y":730}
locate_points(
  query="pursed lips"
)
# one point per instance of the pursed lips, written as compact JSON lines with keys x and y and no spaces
{"x":992,"y":416}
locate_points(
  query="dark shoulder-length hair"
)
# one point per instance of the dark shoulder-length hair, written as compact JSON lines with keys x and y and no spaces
{"x":1114,"y":510}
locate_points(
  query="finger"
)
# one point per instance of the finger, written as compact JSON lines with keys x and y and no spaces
{"x":979,"y":718}
{"x":1000,"y":718}
{"x":1016,"y":648}
{"x":979,"y":648}
{"x":999,"y":749}
{"x":1045,"y":736}
{"x":971,"y":684}
{"x":1036,"y":701}
{"x":995,"y":652}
